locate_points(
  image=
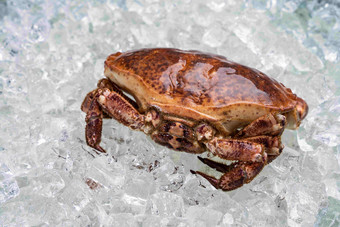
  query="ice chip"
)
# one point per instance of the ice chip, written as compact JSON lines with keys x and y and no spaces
{"x":8,"y":186}
{"x":123,"y":219}
{"x":217,"y":5}
{"x":228,"y":219}
{"x":165,"y":203}
{"x":48,"y":184}
{"x":214,"y":36}
{"x":203,"y":216}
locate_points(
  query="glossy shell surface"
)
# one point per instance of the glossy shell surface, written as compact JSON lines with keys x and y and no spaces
{"x":197,"y":85}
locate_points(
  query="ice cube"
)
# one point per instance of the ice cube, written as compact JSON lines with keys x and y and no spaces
{"x":8,"y":185}
{"x":202,"y":216}
{"x":165,"y":203}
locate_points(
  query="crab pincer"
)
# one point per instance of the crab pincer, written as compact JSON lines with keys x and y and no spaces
{"x":234,"y":175}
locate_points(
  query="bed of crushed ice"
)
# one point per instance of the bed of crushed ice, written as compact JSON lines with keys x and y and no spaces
{"x":52,"y":54}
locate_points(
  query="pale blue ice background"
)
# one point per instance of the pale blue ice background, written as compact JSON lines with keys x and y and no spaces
{"x":51,"y":55}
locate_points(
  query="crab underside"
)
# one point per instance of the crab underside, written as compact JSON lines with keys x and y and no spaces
{"x":252,"y":146}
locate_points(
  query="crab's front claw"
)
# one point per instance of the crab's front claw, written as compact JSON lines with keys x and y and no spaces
{"x":235,"y":175}
{"x":251,"y":157}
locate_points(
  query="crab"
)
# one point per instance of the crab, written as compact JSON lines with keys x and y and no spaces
{"x":196,"y":102}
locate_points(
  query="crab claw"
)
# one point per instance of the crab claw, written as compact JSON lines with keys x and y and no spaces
{"x":213,"y":181}
{"x":235,"y":175}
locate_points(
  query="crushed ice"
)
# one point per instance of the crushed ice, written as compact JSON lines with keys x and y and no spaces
{"x":52,"y":54}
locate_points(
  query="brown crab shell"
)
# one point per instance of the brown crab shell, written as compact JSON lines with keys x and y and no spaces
{"x":198,"y":86}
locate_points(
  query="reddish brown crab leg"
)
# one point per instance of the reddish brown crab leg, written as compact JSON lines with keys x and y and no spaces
{"x":94,"y":121}
{"x":105,"y":83}
{"x":109,"y":98}
{"x":85,"y":106}
{"x":94,"y":116}
{"x":116,"y":106}
{"x":233,"y":149}
{"x":266,"y":125}
{"x":272,"y":144}
{"x":177,"y":143}
{"x":178,"y":136}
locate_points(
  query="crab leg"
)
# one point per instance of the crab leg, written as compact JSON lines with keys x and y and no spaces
{"x":94,"y":116}
{"x":267,"y":125}
{"x":177,"y":136}
{"x":85,"y":106}
{"x":103,"y":83}
{"x":233,"y":149}
{"x":177,"y":143}
{"x":108,"y":98}
{"x":116,"y":106}
{"x":94,"y":122}
{"x":272,"y":144}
